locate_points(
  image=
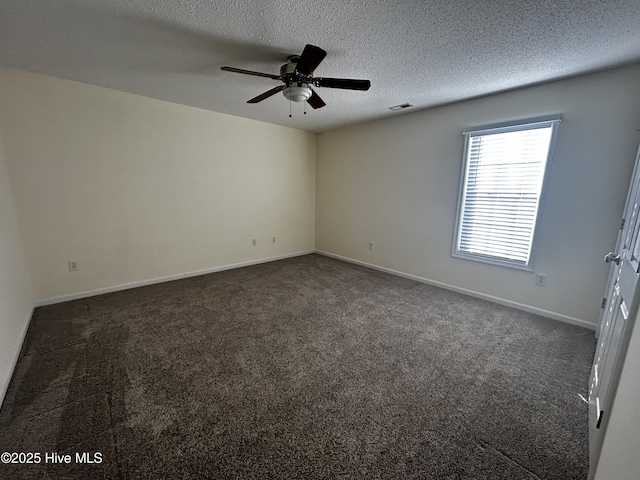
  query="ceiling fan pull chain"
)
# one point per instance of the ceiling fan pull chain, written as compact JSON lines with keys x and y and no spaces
{"x":289,"y":108}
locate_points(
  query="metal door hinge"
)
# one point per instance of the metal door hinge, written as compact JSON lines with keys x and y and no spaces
{"x":600,"y":418}
{"x":622,"y":224}
{"x":604,"y":302}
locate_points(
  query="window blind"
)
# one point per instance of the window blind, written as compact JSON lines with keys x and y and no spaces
{"x":504,"y":174}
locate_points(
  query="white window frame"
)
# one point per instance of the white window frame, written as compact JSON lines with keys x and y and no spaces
{"x":528,"y":124}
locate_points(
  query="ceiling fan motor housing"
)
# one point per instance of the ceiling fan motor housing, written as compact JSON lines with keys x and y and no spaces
{"x":289,"y":73}
{"x":297,"y":89}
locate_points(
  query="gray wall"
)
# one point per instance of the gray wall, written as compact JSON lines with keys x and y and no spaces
{"x":16,"y":298}
{"x":395,"y":182}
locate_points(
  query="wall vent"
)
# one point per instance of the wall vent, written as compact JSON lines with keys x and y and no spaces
{"x":400,"y":107}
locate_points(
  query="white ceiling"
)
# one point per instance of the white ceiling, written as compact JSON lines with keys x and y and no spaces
{"x":423,"y":52}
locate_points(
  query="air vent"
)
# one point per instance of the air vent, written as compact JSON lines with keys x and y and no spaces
{"x":401,"y":107}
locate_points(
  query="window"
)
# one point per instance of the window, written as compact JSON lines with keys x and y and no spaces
{"x":501,"y":191}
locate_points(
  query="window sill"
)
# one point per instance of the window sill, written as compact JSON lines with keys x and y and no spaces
{"x":493,"y":261}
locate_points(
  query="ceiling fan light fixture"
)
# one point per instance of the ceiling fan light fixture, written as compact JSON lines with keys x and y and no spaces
{"x":297,"y":77}
{"x":297,"y":93}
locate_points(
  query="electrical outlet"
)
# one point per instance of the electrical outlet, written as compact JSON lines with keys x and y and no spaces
{"x":541,"y":279}
{"x":254,"y":242}
{"x":73,"y":265}
{"x":370,"y":245}
{"x":273,"y":240}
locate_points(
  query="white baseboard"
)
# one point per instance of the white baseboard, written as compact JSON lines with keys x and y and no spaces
{"x":5,"y":386}
{"x":127,"y":286}
{"x":501,"y":301}
{"x":472,"y":293}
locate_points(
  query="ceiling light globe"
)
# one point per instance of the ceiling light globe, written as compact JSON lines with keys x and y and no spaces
{"x":297,"y":94}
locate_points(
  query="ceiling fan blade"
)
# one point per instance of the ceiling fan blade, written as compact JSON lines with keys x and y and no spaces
{"x":250,"y":72}
{"x":345,"y":83}
{"x":264,"y":95}
{"x":310,"y":59}
{"x":315,"y":101}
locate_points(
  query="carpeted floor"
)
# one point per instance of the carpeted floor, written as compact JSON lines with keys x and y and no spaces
{"x":304,"y":368}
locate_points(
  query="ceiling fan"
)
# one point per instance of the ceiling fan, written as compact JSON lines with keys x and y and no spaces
{"x":297,"y":76}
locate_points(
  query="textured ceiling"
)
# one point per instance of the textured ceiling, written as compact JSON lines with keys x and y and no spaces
{"x":423,"y":52}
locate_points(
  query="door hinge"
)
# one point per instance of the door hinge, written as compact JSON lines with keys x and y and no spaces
{"x":622,"y":224}
{"x":600,"y":418}
{"x":604,"y":302}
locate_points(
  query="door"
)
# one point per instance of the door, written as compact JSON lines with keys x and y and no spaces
{"x":621,"y":306}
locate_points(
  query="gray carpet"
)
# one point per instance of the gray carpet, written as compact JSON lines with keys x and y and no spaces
{"x":302,"y":368}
